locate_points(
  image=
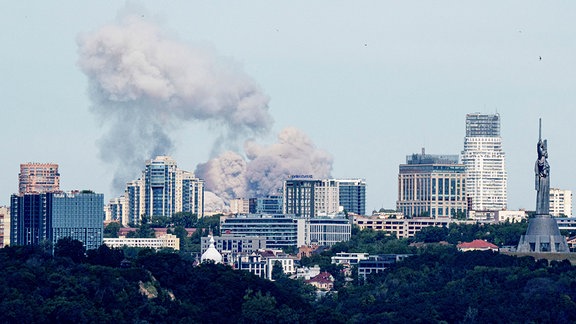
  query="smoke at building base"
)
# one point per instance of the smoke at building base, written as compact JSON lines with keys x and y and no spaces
{"x":264,"y":169}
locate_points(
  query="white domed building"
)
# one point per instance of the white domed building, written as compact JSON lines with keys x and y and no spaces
{"x":211,"y":254}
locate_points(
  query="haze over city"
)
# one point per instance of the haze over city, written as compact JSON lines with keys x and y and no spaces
{"x":352,"y":88}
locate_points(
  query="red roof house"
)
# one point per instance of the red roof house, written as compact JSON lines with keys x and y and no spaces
{"x":477,"y":245}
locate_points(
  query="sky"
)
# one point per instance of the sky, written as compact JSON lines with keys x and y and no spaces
{"x":359,"y":85}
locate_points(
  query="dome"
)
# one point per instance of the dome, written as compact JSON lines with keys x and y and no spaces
{"x":211,"y":253}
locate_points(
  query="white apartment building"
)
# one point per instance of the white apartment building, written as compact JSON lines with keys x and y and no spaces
{"x":560,"y":202}
{"x":484,"y":160}
{"x":164,"y":241}
{"x":162,"y":190}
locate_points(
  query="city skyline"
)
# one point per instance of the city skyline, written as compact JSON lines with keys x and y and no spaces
{"x":368,"y":84}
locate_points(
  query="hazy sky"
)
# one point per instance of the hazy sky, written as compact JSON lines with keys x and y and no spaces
{"x":367,"y":81}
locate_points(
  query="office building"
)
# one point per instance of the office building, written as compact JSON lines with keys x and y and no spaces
{"x":304,"y":196}
{"x":38,"y":178}
{"x":484,"y":159}
{"x":432,"y":186}
{"x":271,"y":204}
{"x":47,"y":217}
{"x":78,"y":215}
{"x":288,"y":230}
{"x":30,"y":218}
{"x":560,"y":202}
{"x":229,"y":245}
{"x":352,"y":195}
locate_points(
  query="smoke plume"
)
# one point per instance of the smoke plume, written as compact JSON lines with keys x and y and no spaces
{"x":230,"y":176}
{"x":144,"y":83}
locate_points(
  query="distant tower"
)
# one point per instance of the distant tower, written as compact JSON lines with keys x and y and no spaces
{"x":542,"y":235}
{"x":483,"y":157}
{"x":38,"y":178}
{"x":431,"y":186}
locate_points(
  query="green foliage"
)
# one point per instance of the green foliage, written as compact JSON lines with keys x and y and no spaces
{"x":499,"y":234}
{"x":438,"y":284}
{"x":70,"y":248}
{"x":111,"y":230}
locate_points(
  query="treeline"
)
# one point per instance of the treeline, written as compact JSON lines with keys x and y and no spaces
{"x":441,"y":284}
{"x":437,"y":284}
{"x":37,"y":287}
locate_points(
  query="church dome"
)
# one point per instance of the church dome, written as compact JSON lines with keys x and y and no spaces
{"x":211,"y":253}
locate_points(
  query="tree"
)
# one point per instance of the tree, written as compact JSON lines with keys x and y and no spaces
{"x":68,"y":247}
{"x":111,"y":230}
{"x":277,"y":270}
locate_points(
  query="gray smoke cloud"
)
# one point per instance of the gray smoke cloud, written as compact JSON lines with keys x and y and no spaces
{"x":143,"y":83}
{"x":266,"y":167}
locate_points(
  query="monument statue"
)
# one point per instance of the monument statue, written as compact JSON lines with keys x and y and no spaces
{"x":542,"y":171}
{"x":542,"y":235}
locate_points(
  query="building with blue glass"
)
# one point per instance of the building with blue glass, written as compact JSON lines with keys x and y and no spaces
{"x":352,"y":195}
{"x":48,"y":217}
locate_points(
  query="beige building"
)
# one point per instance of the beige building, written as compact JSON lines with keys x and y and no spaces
{"x":402,"y":228}
{"x":240,"y":206}
{"x":431,"y":186}
{"x":4,"y":226}
{"x":560,"y":202}
{"x":38,"y":178}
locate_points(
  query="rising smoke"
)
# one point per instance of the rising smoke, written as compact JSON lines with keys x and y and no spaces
{"x":144,"y":83}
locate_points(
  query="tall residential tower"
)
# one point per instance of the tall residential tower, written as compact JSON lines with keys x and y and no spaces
{"x":38,"y":178}
{"x":483,"y":158}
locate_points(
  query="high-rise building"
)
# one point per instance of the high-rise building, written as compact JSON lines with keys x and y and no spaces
{"x":352,"y":195}
{"x":48,"y":217}
{"x":162,"y":190}
{"x":431,"y":186}
{"x":38,"y":178}
{"x":308,"y":197}
{"x":30,"y":220}
{"x":560,"y":202}
{"x":160,"y":186}
{"x":484,"y":159}
{"x":79,"y":215}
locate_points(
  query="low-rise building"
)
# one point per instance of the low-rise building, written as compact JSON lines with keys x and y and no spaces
{"x":229,"y":245}
{"x":402,"y":228}
{"x":511,"y":216}
{"x":477,"y":245}
{"x":323,"y":281}
{"x":349,"y":258}
{"x":282,"y":231}
{"x":378,"y":263}
{"x":164,"y":241}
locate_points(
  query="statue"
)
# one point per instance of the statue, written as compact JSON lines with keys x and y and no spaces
{"x":542,"y":172}
{"x":542,"y":234}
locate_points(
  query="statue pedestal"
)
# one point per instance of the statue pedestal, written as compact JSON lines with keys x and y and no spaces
{"x":542,"y":236}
